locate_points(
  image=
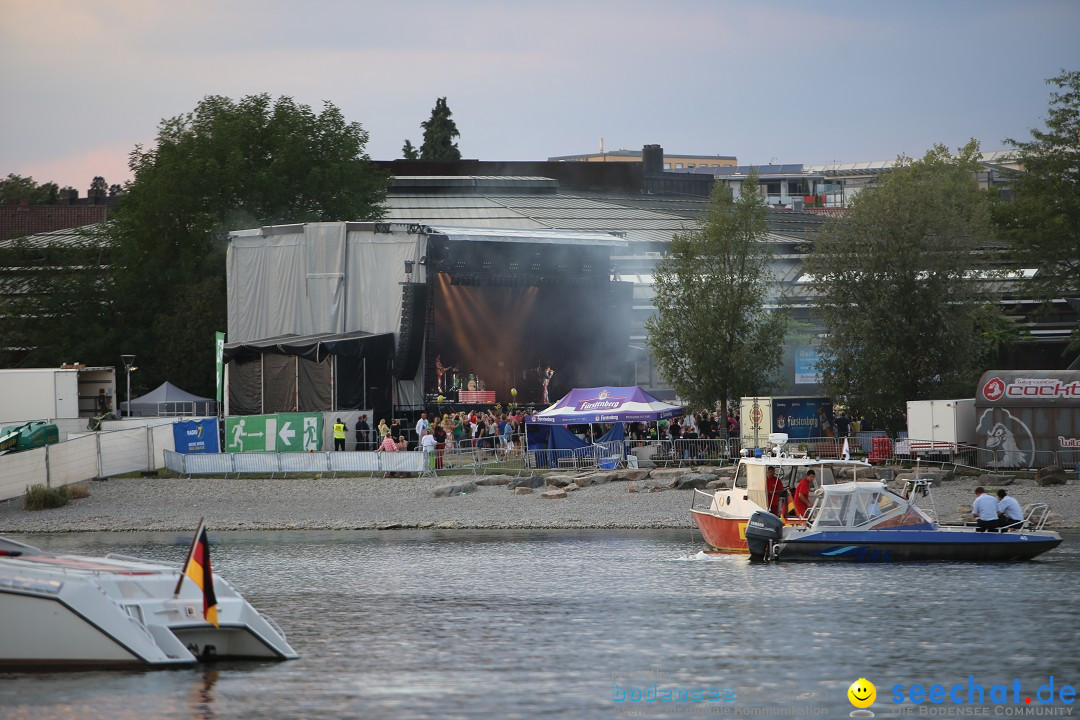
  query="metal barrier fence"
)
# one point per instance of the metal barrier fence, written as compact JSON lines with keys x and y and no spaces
{"x":84,"y":457}
{"x":273,"y":464}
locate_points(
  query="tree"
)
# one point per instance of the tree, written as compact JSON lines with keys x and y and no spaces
{"x":1043,"y":220}
{"x":899,"y":288}
{"x":409,"y":152}
{"x":712,"y":336}
{"x":439,"y":133}
{"x":226,"y":165}
{"x":14,"y":188}
{"x":98,"y":184}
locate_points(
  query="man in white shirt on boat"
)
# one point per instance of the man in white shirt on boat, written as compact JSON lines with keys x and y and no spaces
{"x":985,"y":511}
{"x":1009,"y":511}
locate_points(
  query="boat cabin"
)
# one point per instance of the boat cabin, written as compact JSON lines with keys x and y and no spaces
{"x":751,"y":475}
{"x":864,"y":506}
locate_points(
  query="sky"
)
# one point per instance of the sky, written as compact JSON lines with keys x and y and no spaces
{"x":766,"y":81}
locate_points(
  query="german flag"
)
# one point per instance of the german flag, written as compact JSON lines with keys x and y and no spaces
{"x":198,"y":569}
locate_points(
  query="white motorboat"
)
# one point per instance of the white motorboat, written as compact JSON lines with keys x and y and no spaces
{"x":116,"y":611}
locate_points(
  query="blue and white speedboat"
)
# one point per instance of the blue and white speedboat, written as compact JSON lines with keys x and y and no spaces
{"x":866,"y":522}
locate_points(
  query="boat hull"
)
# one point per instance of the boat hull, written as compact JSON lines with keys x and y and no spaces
{"x":883,"y":546}
{"x":724,"y":534}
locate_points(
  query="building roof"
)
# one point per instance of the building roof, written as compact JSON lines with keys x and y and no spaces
{"x":69,"y":237}
{"x":637,"y":218}
{"x":19,"y":220}
{"x":637,"y":154}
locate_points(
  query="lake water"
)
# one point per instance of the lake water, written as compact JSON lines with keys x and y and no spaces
{"x":560,"y":624}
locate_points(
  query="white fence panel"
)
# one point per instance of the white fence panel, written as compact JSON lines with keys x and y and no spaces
{"x":161,"y":439}
{"x":355,"y":462}
{"x":19,"y":471}
{"x":304,"y":462}
{"x":209,"y":464}
{"x":123,"y":451}
{"x":255,"y":462}
{"x":412,"y":461}
{"x":73,"y":461}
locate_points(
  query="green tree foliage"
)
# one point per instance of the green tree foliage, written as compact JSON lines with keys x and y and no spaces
{"x":440,"y":130}
{"x":894,"y":282}
{"x":409,"y":152}
{"x":14,"y":188}
{"x":712,"y":336}
{"x":226,"y":165}
{"x":1043,"y":221}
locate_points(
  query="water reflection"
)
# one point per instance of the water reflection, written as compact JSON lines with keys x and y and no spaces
{"x":520,"y":624}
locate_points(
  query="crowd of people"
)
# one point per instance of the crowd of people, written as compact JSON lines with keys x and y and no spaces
{"x":476,"y":429}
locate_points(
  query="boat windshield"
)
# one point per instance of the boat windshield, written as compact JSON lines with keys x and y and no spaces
{"x":854,"y":507}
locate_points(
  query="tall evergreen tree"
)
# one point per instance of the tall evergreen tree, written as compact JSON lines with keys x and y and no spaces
{"x":408,"y":151}
{"x":440,"y":131}
{"x":712,"y":335}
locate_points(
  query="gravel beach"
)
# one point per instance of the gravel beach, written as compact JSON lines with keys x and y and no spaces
{"x":176,"y":504}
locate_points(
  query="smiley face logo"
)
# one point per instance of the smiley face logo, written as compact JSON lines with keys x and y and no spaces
{"x":862,"y":693}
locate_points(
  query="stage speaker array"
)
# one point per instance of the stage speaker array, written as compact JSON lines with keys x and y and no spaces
{"x":410,"y":344}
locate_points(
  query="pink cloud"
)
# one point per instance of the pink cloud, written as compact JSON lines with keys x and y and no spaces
{"x":78,"y":169}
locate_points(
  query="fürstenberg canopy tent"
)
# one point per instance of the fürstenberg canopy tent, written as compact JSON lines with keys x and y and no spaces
{"x":606,"y":405}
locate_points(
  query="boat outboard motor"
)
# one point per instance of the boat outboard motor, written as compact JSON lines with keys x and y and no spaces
{"x":762,"y":531}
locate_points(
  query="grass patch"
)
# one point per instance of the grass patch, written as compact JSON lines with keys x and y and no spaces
{"x":39,"y":497}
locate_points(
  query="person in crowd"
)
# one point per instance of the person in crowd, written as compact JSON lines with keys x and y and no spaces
{"x":363,"y":433}
{"x":428,"y":444}
{"x":1010,"y":516}
{"x":805,"y":486}
{"x":339,"y":435}
{"x":402,"y":443}
{"x":985,"y":511}
{"x":440,"y":443}
{"x":421,"y":425}
{"x":384,"y":429}
{"x":388,"y":445}
{"x":843,"y":424}
{"x":775,"y":493}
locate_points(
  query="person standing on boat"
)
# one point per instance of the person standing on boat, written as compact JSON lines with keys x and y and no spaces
{"x":774,"y":488}
{"x":802,"y":493}
{"x":985,"y":511}
{"x":1009,"y":513}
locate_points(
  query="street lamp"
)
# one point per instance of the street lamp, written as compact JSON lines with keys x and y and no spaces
{"x":129,"y":367}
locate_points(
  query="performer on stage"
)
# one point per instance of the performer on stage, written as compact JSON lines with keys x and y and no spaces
{"x":440,"y":374}
{"x":545,"y":382}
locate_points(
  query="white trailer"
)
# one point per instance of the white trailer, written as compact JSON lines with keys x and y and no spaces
{"x":56,"y":393}
{"x":938,"y":427}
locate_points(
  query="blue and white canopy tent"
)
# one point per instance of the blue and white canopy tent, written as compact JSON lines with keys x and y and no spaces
{"x":546,"y":430}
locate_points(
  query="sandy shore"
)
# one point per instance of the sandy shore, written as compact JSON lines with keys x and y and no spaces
{"x":176,"y":504}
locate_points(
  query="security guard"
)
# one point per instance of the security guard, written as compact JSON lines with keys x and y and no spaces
{"x":339,"y":435}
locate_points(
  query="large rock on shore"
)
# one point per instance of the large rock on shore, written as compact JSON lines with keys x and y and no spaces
{"x":559,"y":479}
{"x":454,"y":489}
{"x":629,"y":475}
{"x":692,"y":481}
{"x":1050,"y":475}
{"x":529,"y":481}
{"x":494,"y":480}
{"x":596,"y":478}
{"x":554,"y":494}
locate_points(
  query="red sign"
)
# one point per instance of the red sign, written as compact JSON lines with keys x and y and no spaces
{"x":755,"y":415}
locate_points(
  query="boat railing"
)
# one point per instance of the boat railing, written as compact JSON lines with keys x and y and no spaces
{"x":272,"y":623}
{"x":1036,"y":516}
{"x":147,"y":561}
{"x":695,"y":497}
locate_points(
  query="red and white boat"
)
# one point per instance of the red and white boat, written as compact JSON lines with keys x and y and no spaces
{"x":721,"y":516}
